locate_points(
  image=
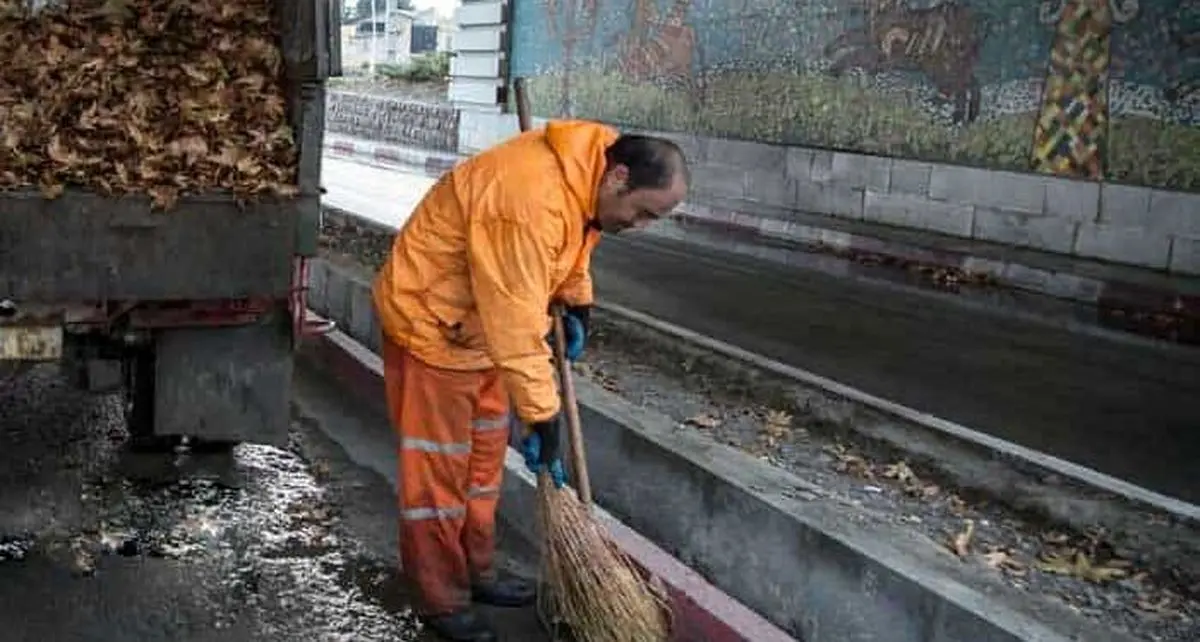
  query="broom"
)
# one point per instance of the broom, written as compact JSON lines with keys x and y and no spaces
{"x":589,"y":585}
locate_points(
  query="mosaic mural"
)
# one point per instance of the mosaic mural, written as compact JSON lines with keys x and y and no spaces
{"x":1085,"y":88}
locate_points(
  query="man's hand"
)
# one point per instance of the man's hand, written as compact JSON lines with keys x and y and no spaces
{"x":542,"y":449}
{"x":576,"y":321}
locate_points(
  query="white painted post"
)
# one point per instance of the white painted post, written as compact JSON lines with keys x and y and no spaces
{"x":374,"y":37}
{"x":478,"y":69}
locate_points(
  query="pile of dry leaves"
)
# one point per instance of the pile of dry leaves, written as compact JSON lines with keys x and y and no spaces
{"x":144,"y":96}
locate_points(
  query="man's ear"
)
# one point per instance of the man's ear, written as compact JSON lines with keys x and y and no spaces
{"x":617,"y":176}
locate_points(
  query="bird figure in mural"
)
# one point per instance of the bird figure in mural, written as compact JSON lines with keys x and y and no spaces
{"x":941,"y":41}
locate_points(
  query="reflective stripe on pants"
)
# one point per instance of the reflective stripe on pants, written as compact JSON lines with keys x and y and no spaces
{"x":451,"y":431}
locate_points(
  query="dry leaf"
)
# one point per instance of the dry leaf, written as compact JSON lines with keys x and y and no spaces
{"x":82,"y":561}
{"x":777,"y":425}
{"x":591,"y":372}
{"x":705,"y":421}
{"x":900,"y":472}
{"x":849,"y":463}
{"x":1165,"y":605}
{"x":923,"y":491}
{"x":1077,"y":563}
{"x":960,"y":545}
{"x":778,"y":422}
{"x":1003,"y":560}
{"x":908,"y":480}
{"x":92,"y":99}
{"x":957,"y":505}
{"x":855,"y":465}
{"x":1055,"y":538}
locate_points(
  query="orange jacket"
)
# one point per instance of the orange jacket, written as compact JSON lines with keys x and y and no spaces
{"x":473,"y":271}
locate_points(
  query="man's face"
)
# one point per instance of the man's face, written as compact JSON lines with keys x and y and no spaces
{"x":619,"y":208}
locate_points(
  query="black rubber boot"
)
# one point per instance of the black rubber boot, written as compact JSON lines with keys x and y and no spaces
{"x":507,"y":592}
{"x":461,"y":626}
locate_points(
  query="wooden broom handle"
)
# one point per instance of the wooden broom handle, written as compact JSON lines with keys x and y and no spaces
{"x":570,"y":406}
{"x":524,"y":117}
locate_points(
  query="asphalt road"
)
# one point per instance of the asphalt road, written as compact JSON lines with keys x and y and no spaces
{"x":1122,"y":408}
{"x":259,"y":545}
{"x":1128,"y":410}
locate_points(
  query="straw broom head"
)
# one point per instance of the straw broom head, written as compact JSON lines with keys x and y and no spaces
{"x":588,"y":584}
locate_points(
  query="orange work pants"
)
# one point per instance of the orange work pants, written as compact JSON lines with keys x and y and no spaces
{"x":452,"y":429}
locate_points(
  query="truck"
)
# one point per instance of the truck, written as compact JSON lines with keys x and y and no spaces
{"x":193,"y":313}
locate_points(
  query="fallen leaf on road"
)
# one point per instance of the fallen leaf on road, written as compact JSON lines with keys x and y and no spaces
{"x":961,"y":544}
{"x":112,"y":541}
{"x":777,"y":425}
{"x":1076,"y":563}
{"x":778,"y":421}
{"x":850,"y":463}
{"x":704,"y":420}
{"x":957,"y":505}
{"x":1055,"y":538}
{"x":923,"y":491}
{"x":83,"y":562}
{"x":1003,"y":560}
{"x":591,"y":372}
{"x":900,"y":472}
{"x":913,"y":485}
{"x":1165,"y":605}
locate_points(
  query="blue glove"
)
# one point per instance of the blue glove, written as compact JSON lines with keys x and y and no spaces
{"x":576,"y":322}
{"x":542,"y":451}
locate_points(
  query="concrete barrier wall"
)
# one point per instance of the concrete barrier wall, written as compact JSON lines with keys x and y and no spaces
{"x":765,"y":187}
{"x":395,"y":121}
{"x":734,"y":180}
{"x":815,"y":567}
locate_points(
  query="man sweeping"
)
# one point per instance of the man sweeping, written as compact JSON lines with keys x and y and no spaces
{"x":464,"y":302}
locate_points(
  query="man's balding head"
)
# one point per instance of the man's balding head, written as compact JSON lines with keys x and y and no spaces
{"x":645,"y":178}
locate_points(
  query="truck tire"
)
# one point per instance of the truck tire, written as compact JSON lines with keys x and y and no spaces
{"x":139,"y":403}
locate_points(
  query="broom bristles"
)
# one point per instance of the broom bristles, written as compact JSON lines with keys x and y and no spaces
{"x":593,"y":587}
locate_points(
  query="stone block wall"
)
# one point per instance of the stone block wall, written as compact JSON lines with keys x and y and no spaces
{"x":764,"y":184}
{"x":385,"y":119}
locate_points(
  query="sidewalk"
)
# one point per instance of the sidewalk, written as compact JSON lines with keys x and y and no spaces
{"x":1125,"y":298}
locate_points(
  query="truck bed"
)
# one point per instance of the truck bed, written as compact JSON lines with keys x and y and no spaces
{"x":85,"y":247}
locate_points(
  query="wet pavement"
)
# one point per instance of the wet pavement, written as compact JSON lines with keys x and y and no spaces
{"x":1125,"y":408}
{"x":260,"y":544}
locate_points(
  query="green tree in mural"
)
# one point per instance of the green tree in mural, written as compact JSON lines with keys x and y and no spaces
{"x":1070,"y":138}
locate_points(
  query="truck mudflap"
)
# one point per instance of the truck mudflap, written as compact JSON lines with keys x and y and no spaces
{"x":230,"y":384}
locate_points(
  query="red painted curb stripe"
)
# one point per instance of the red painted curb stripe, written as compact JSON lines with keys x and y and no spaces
{"x":701,"y":612}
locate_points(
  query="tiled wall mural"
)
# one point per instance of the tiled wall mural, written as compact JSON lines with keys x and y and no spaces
{"x":1084,"y":88}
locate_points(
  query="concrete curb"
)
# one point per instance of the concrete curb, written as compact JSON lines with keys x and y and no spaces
{"x":820,"y":569}
{"x":1117,"y":300}
{"x":1044,"y":465}
{"x":1156,"y":525}
{"x":1107,"y":295}
{"x":429,"y":162}
{"x":700,"y":610}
